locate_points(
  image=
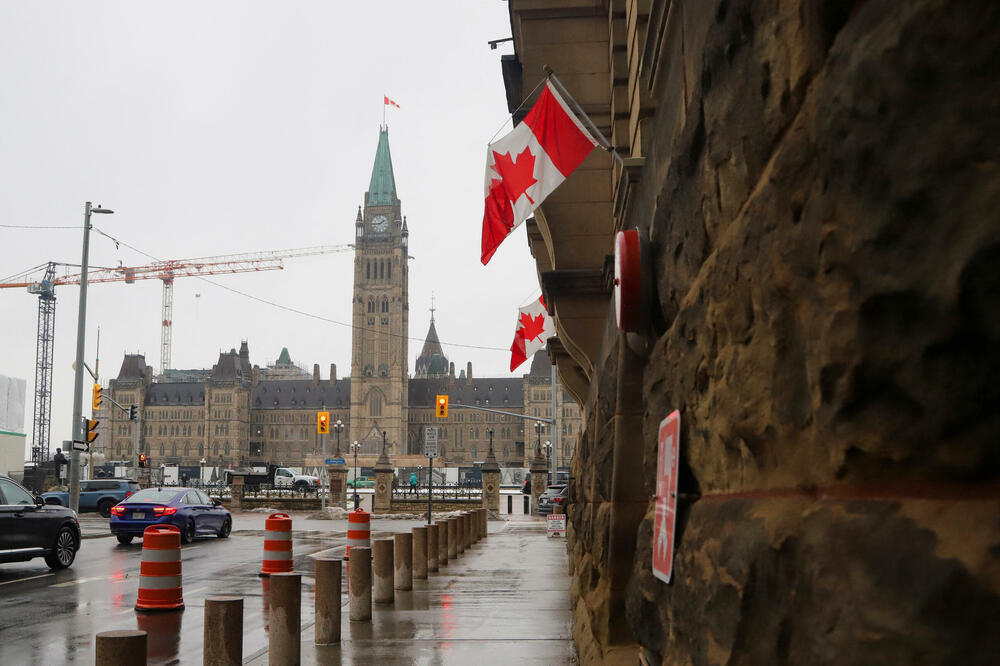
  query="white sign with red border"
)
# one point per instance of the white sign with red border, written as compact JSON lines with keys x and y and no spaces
{"x":557,"y":524}
{"x":665,"y":516}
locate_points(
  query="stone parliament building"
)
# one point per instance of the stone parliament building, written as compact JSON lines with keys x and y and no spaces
{"x":236,"y":414}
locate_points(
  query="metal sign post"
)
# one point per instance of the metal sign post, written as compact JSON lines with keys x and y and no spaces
{"x":430,"y":450}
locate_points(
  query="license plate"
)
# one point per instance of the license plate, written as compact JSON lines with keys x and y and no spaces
{"x":138,"y":515}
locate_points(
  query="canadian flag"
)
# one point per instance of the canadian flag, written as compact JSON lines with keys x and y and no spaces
{"x":523,"y":167}
{"x":534,"y":326}
{"x":388,"y":102}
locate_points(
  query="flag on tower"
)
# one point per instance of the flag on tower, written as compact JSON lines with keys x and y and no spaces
{"x":388,"y":102}
{"x":533,"y":327}
{"x":526,"y":165}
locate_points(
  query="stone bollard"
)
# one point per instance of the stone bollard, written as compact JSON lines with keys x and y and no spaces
{"x":479,"y":524}
{"x":284,"y":637}
{"x":474,"y":526}
{"x":361,"y":584}
{"x":121,"y":648}
{"x":223,"y":631}
{"x":442,"y":530}
{"x":384,"y":571}
{"x":328,"y":590}
{"x":460,"y":533}
{"x":420,"y":552}
{"x":452,"y":538}
{"x":432,"y":548}
{"x":404,"y":561}
{"x":467,"y":526}
{"x":485,"y":517}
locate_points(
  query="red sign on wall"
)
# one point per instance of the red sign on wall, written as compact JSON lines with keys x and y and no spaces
{"x":665,"y":517}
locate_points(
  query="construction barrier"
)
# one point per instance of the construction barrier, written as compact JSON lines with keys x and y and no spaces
{"x":277,"y":544}
{"x":160,"y":586}
{"x":359,"y":531}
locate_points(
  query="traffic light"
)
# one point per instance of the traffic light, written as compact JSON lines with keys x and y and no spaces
{"x":133,"y":412}
{"x":97,"y":396}
{"x":323,"y":423}
{"x":142,"y":460}
{"x":441,"y":406}
{"x":91,"y":430}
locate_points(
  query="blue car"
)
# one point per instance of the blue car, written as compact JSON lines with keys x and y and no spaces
{"x":96,"y":495}
{"x":188,"y":509}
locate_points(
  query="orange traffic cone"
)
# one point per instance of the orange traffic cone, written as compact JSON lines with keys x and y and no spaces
{"x":160,"y":586}
{"x":359,"y":530}
{"x":277,"y":544}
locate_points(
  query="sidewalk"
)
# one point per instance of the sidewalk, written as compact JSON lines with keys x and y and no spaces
{"x":504,"y":601}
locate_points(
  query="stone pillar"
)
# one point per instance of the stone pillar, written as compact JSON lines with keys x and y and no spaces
{"x":383,"y":484}
{"x":491,"y":482}
{"x":223,"y":637}
{"x":284,"y":636}
{"x":442,"y":530}
{"x":327,"y":593}
{"x":236,"y":493}
{"x":121,"y":648}
{"x":485,"y":518}
{"x":361,"y":584}
{"x":539,"y":479}
{"x":382,"y":557}
{"x":452,"y":538}
{"x":432,"y":548}
{"x":420,"y":552}
{"x":338,"y":485}
{"x":462,"y":543}
{"x":403,"y":561}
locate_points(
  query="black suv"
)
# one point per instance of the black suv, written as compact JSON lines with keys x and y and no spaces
{"x":555,"y":495}
{"x":30,"y":528}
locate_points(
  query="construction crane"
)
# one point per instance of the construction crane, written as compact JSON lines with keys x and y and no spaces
{"x":166,"y":271}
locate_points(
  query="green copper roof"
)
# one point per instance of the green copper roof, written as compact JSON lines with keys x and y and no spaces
{"x":382,"y":189}
{"x":284,"y":358}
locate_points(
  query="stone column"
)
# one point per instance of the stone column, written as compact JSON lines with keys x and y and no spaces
{"x":442,"y":530}
{"x":403,"y":561}
{"x":338,"y":485}
{"x":432,"y":548}
{"x":361,"y":584}
{"x":491,"y":482}
{"x":383,"y":484}
{"x":382,"y":557}
{"x":452,"y":538}
{"x":327,"y":599}
{"x":236,"y":493}
{"x":285,"y":634}
{"x":420,"y":552}
{"x":223,"y":639}
{"x":539,"y":479}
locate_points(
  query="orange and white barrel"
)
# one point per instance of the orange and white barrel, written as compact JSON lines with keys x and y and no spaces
{"x":359,"y":531}
{"x":160,"y":587}
{"x":277,"y":544}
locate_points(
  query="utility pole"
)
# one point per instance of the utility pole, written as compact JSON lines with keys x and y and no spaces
{"x":79,"y":431}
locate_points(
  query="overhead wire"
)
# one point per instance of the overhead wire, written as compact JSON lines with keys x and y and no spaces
{"x":303,"y":313}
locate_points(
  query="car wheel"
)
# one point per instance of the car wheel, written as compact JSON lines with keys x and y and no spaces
{"x":301,"y":486}
{"x":64,"y":551}
{"x":124,"y":539}
{"x":187,"y":534}
{"x":105,"y":508}
{"x":227,"y":527}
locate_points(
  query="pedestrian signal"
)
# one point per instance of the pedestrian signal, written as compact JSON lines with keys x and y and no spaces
{"x":323,"y":423}
{"x":91,"y":430}
{"x":97,"y":396}
{"x":441,"y":407}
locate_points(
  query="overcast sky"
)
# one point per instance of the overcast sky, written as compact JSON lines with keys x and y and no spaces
{"x":223,"y":127}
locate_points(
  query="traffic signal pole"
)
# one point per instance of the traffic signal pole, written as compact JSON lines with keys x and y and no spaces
{"x":78,"y":432}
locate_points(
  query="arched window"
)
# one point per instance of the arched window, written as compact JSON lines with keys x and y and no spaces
{"x":368,"y":270}
{"x":388,"y":271}
{"x":372,"y":306}
{"x":385,"y":304}
{"x":187,"y":450}
{"x":201,"y":449}
{"x":381,"y":270}
{"x":375,"y":404}
{"x":383,"y":370}
{"x":161,"y":450}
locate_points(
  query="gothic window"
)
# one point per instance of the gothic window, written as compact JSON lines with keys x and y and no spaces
{"x":161,"y":450}
{"x":375,"y":404}
{"x":369,"y":371}
{"x":187,"y":450}
{"x":201,"y":449}
{"x":371,"y":321}
{"x":381,"y":270}
{"x":383,"y":370}
{"x":385,"y":304}
{"x":371,"y":304}
{"x":385,"y":321}
{"x":368,"y":270}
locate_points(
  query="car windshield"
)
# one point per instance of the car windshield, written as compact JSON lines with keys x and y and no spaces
{"x":153,"y":495}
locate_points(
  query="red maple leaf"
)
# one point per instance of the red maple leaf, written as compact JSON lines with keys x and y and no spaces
{"x":531,"y":328}
{"x":517,"y":174}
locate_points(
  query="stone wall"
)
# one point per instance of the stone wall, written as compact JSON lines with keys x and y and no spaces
{"x":821,"y":189}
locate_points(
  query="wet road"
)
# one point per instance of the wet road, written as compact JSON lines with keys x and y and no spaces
{"x":51,"y":617}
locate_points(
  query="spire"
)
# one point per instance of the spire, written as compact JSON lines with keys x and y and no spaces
{"x":382,"y":189}
{"x":432,"y":362}
{"x":432,"y":315}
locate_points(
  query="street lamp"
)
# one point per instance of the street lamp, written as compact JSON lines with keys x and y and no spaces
{"x":79,"y":430}
{"x":538,"y":438}
{"x":355,"y":445}
{"x":201,"y":475}
{"x":338,"y":428}
{"x":548,"y":454}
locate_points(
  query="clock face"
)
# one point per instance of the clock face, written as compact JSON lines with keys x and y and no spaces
{"x":380,"y":223}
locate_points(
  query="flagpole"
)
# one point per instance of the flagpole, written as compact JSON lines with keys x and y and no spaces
{"x":581,"y":113}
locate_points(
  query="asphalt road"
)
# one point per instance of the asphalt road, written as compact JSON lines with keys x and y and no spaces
{"x":51,"y":617}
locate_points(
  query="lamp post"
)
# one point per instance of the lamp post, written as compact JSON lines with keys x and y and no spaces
{"x":355,"y":445}
{"x":79,"y":430}
{"x":548,"y":460}
{"x":201,"y":472}
{"x":338,"y":428}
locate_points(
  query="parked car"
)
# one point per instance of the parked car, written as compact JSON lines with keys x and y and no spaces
{"x":362,"y":482}
{"x":189,"y":509}
{"x":31,"y":528}
{"x":97,"y":495}
{"x":555,"y":495}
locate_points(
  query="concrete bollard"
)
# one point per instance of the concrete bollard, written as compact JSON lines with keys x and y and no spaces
{"x":473,"y":532}
{"x":384,"y":571}
{"x":329,"y":575}
{"x":403,"y":561}
{"x":460,"y":533}
{"x":467,"y":529}
{"x":223,"y":631}
{"x":485,"y":517}
{"x":442,"y":530}
{"x":479,"y":524}
{"x":432,"y":548}
{"x":284,"y":638}
{"x":420,"y":552}
{"x":361,"y":584}
{"x":121,"y":648}
{"x":452,"y":538}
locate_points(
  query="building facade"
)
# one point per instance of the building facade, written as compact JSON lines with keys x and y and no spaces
{"x":238,"y":414}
